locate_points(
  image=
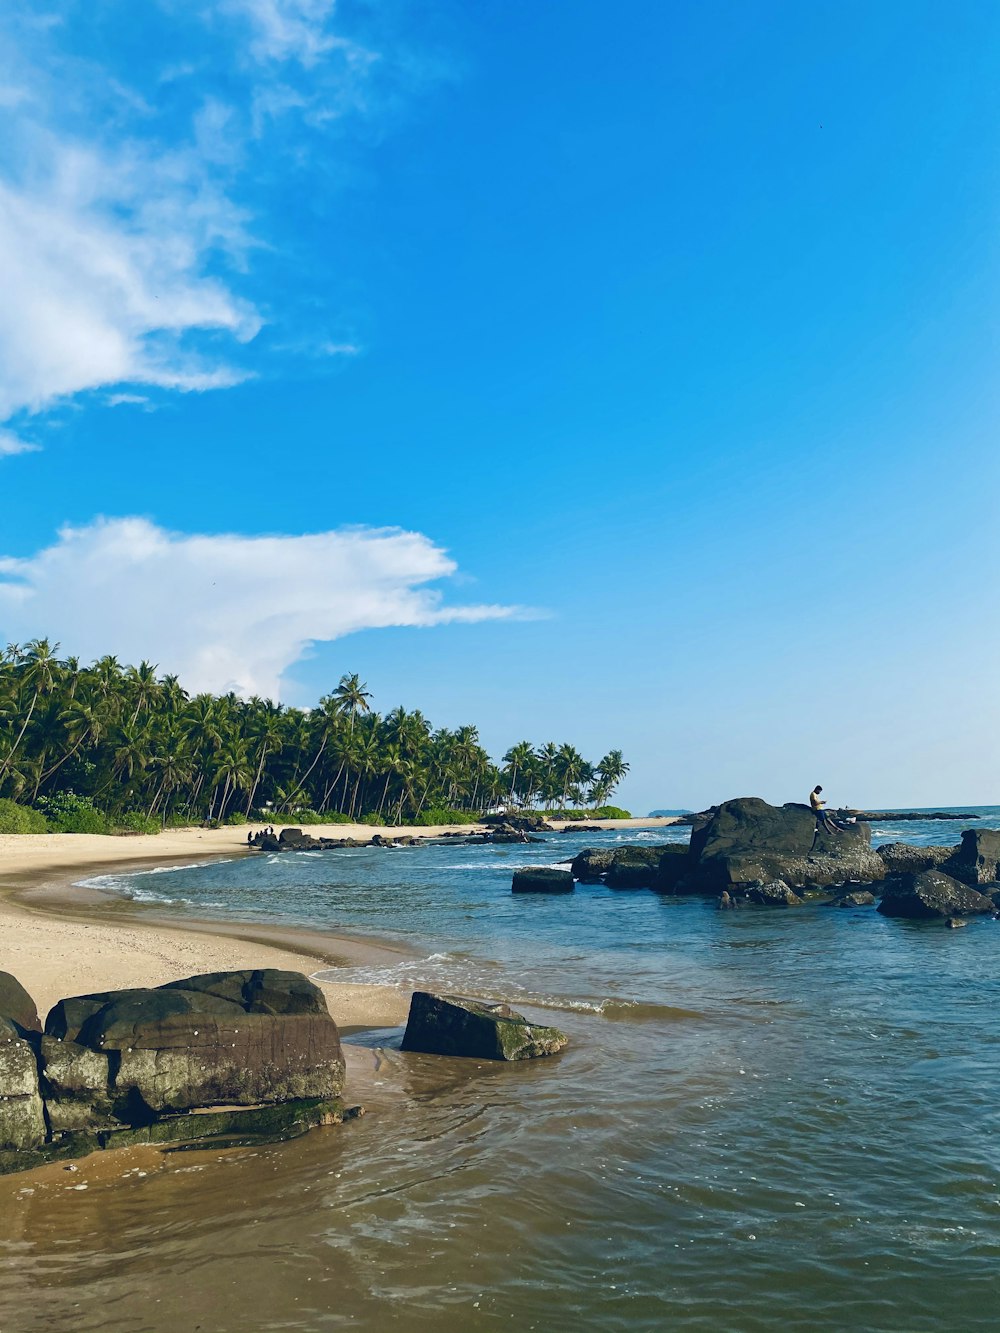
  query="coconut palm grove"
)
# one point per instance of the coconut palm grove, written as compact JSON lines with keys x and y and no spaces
{"x":92,"y":749}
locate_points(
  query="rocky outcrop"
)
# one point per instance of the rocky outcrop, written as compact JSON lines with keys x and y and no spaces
{"x":130,"y":1059}
{"x":542,"y":879}
{"x":22,"y":1117}
{"x":634,"y":867}
{"x":748,"y":841}
{"x":904,"y":858}
{"x":775,"y":894}
{"x":480,"y":1029}
{"x":228,"y":1038}
{"x":932,"y":894}
{"x":856,"y":898}
{"x":977,"y":860}
{"x":590,"y":865}
{"x":672,"y":868}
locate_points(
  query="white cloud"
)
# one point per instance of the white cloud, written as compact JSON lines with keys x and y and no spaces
{"x":12,"y":444}
{"x":123,"y":251}
{"x":222,"y":612}
{"x":287,"y":29}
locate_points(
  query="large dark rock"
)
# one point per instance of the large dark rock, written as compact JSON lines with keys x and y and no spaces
{"x":235,"y":1038}
{"x":589,"y":865}
{"x":673,"y":867}
{"x":931,"y":894}
{"x":483,"y":1030}
{"x":746,"y":841}
{"x":77,"y":1087}
{"x":22,"y":1119}
{"x":977,"y":860}
{"x":904,"y":858}
{"x":634,"y":867}
{"x":542,"y":879}
{"x":17,"y":1005}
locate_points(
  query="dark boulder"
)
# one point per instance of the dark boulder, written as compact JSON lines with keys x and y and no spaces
{"x":634,"y":867}
{"x":672,"y":868}
{"x":904,"y":858}
{"x":856,"y":898}
{"x":518,"y":823}
{"x":17,"y":1005}
{"x":226,"y":1038}
{"x":775,"y":894}
{"x":480,"y":1029}
{"x":931,"y":894}
{"x":291,"y":839}
{"x":542,"y":879}
{"x":747,"y":840}
{"x":22,"y":1118}
{"x":977,"y":860}
{"x":590,"y":865}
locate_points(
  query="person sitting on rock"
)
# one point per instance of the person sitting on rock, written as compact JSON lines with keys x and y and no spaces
{"x":824,"y":820}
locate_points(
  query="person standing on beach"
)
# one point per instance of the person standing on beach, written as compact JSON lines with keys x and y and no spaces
{"x":823,"y":818}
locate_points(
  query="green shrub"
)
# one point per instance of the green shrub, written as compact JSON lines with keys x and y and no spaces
{"x":134,"y":821}
{"x":16,"y":818}
{"x":373,"y":818}
{"x":237,"y":817}
{"x":611,"y":812}
{"x":69,"y":813}
{"x":439,"y":815}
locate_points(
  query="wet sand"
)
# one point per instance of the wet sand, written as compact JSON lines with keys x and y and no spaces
{"x":60,"y":939}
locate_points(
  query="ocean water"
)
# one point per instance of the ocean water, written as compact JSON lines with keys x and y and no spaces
{"x":766,"y":1119}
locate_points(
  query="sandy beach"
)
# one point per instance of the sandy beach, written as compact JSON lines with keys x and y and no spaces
{"x":60,"y":939}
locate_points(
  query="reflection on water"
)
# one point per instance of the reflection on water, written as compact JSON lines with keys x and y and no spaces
{"x":765,"y":1119}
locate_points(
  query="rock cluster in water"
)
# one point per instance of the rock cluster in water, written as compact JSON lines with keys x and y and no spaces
{"x":478,"y":1029}
{"x":747,"y":851}
{"x":500,"y":829}
{"x":147,"y":1065}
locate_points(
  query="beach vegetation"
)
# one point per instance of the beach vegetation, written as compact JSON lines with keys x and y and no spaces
{"x":109,"y":747}
{"x":16,"y":818}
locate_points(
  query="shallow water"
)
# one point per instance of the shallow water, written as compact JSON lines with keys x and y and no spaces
{"x":765,"y":1119}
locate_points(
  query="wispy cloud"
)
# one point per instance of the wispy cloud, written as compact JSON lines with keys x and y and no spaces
{"x":126,"y":251}
{"x":224,"y":611}
{"x":13,"y":444}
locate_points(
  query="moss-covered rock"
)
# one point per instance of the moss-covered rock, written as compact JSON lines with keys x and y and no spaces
{"x":254,"y":1124}
{"x":22,"y":1118}
{"x":17,"y":1005}
{"x":479,"y":1029}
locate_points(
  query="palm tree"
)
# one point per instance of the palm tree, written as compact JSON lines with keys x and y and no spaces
{"x":352,"y":696}
{"x":39,"y":667}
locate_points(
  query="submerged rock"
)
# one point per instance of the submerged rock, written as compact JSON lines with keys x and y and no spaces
{"x":589,"y":865}
{"x":931,"y":894}
{"x":856,"y":898}
{"x":542,"y":879}
{"x":775,"y":894}
{"x":480,"y":1029}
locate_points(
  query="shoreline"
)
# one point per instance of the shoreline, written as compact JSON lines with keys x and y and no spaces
{"x":60,"y":938}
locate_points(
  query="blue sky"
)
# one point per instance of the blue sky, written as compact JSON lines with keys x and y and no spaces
{"x":667,"y":333}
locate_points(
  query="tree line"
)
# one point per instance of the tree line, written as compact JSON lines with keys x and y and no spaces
{"x":128,"y":742}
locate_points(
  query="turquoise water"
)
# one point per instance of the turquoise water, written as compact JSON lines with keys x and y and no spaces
{"x":766,"y":1119}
